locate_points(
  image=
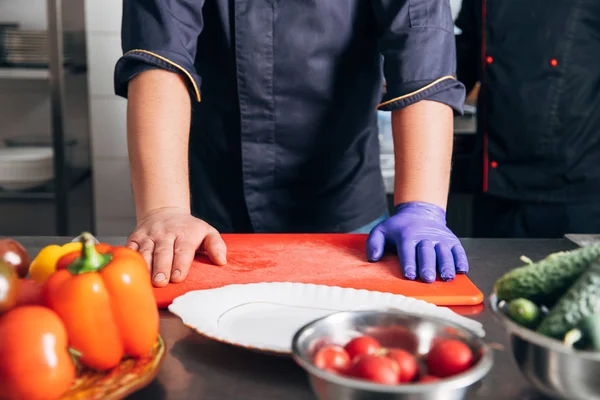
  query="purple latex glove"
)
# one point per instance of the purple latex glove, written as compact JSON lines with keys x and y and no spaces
{"x":425,"y":244}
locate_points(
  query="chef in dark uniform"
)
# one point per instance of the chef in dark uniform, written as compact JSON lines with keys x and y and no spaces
{"x":260,"y":116}
{"x":538,"y":114}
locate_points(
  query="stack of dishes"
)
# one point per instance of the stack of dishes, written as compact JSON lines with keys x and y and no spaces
{"x":24,"y":168}
{"x":28,"y":48}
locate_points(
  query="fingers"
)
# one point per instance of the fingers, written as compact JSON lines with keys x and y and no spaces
{"x":460,"y":259}
{"x":426,"y":261}
{"x":215,"y":247}
{"x":132,"y":245}
{"x":445,"y":262}
{"x":408,"y":259}
{"x":375,"y":244}
{"x":183,"y":258}
{"x":146,"y":249}
{"x":163,"y":261}
{"x":133,"y":241}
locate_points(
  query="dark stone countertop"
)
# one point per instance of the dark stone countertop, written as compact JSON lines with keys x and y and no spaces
{"x":199,"y":368}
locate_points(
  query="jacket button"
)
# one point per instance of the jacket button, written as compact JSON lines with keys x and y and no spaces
{"x":494,"y":164}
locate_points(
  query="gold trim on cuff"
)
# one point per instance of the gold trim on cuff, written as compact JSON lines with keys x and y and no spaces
{"x":385,"y":103}
{"x":179,"y":67}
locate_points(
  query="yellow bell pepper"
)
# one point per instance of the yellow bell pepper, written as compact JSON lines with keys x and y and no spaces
{"x":44,"y":264}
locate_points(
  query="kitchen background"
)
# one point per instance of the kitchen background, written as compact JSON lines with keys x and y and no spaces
{"x":97,"y":192}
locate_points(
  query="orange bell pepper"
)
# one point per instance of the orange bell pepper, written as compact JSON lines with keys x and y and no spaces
{"x":106,"y":302}
{"x":67,"y":259}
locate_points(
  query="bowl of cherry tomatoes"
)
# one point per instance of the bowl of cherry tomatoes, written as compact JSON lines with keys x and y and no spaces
{"x":389,"y":354}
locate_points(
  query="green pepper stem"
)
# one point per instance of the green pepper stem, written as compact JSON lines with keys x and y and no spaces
{"x":90,"y":260}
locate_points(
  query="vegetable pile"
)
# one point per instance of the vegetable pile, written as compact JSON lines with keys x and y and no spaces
{"x":91,"y":306}
{"x":364,"y":358}
{"x":558,"y":297}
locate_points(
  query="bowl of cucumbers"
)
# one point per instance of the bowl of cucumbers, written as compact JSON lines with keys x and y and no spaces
{"x":550,"y":310}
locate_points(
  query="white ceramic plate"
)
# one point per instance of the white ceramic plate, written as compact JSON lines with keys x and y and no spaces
{"x":265,"y":316}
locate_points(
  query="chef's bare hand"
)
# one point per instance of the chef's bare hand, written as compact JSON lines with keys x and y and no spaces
{"x":169,"y":238}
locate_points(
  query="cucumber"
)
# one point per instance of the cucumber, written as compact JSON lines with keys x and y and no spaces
{"x":581,"y":301}
{"x":587,"y":334}
{"x":524,"y":312}
{"x":545,"y":281}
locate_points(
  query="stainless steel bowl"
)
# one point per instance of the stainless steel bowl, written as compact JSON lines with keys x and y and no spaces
{"x":553,"y":368}
{"x":414,"y":333}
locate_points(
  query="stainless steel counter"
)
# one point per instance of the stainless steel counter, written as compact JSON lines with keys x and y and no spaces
{"x":198,"y":368}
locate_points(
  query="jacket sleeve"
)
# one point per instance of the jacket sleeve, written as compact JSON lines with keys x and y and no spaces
{"x":159,"y":34}
{"x":416,"y":40}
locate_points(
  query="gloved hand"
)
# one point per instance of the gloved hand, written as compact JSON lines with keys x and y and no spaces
{"x":419,"y":232}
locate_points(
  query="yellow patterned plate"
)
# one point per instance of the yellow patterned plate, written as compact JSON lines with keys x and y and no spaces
{"x":130,"y":376}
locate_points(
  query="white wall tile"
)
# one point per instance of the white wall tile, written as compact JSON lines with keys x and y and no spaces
{"x":103,"y":15}
{"x":109,"y":118}
{"x":103,"y":52}
{"x":112,"y":189}
{"x":115,"y":227}
{"x":31,"y":16}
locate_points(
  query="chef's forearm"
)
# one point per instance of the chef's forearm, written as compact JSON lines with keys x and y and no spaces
{"x":158,"y":126}
{"x":423,"y":137}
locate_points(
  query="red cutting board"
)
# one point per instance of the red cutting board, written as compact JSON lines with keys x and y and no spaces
{"x":326,"y":259}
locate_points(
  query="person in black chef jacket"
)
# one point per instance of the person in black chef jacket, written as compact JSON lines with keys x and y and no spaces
{"x":538,"y":63}
{"x":280,"y":133}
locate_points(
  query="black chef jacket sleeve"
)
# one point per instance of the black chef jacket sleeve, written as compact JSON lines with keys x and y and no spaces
{"x":416,"y":40}
{"x":159,"y":34}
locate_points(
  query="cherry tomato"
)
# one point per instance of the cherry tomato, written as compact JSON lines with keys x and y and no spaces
{"x":406,"y":362}
{"x":449,"y":357}
{"x":9,"y":287}
{"x":429,"y":378}
{"x":34,"y":360}
{"x":362,"y":345}
{"x":332,"y":358}
{"x":30,"y":293}
{"x":376,"y":369}
{"x":15,"y":256}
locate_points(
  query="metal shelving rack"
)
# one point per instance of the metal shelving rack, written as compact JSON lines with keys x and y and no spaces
{"x":66,"y":178}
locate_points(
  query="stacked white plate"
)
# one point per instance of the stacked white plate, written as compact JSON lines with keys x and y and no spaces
{"x":23,"y":168}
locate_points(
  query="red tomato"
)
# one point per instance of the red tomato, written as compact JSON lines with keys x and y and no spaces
{"x":332,"y":358}
{"x":376,"y":369}
{"x":362,"y":345}
{"x":406,"y":362}
{"x":449,"y":357}
{"x":428,"y":379}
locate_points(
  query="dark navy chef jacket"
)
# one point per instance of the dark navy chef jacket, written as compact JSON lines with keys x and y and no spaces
{"x":284,"y":126}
